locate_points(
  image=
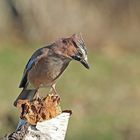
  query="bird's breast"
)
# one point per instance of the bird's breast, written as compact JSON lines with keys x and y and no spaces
{"x":46,"y":71}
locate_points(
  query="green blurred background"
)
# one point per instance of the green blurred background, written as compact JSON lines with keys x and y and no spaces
{"x":105,"y":100}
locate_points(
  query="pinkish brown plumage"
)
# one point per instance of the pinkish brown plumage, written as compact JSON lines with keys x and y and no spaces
{"x":49,"y":62}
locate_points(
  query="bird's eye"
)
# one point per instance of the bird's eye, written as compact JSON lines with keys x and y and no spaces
{"x":65,"y":41}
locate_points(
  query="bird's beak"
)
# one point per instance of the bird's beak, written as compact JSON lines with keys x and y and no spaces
{"x":85,"y":63}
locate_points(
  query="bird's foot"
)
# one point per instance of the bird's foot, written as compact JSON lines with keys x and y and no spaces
{"x":37,"y":97}
{"x":55,"y":96}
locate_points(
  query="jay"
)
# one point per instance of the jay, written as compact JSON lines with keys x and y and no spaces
{"x":47,"y":64}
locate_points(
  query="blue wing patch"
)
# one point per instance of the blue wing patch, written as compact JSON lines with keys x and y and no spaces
{"x":30,"y":64}
{"x":28,"y":67}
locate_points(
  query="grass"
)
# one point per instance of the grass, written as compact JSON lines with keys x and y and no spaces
{"x":104,"y":99}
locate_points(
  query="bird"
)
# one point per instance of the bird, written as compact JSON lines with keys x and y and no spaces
{"x":48,"y":63}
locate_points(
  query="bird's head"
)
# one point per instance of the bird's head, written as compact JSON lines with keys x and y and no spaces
{"x":81,"y":50}
{"x":73,"y":48}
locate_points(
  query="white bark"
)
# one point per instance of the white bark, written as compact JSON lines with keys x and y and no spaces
{"x":53,"y":129}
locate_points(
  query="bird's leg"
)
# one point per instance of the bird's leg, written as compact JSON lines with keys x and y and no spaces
{"x":36,"y":97}
{"x":53,"y":89}
{"x":55,"y":92}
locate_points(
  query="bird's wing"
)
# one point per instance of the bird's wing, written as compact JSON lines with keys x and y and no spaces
{"x":32,"y":61}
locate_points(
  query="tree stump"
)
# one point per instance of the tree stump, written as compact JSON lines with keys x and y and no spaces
{"x":41,"y":119}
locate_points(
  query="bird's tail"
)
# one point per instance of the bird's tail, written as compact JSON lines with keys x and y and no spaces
{"x":26,"y":94}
